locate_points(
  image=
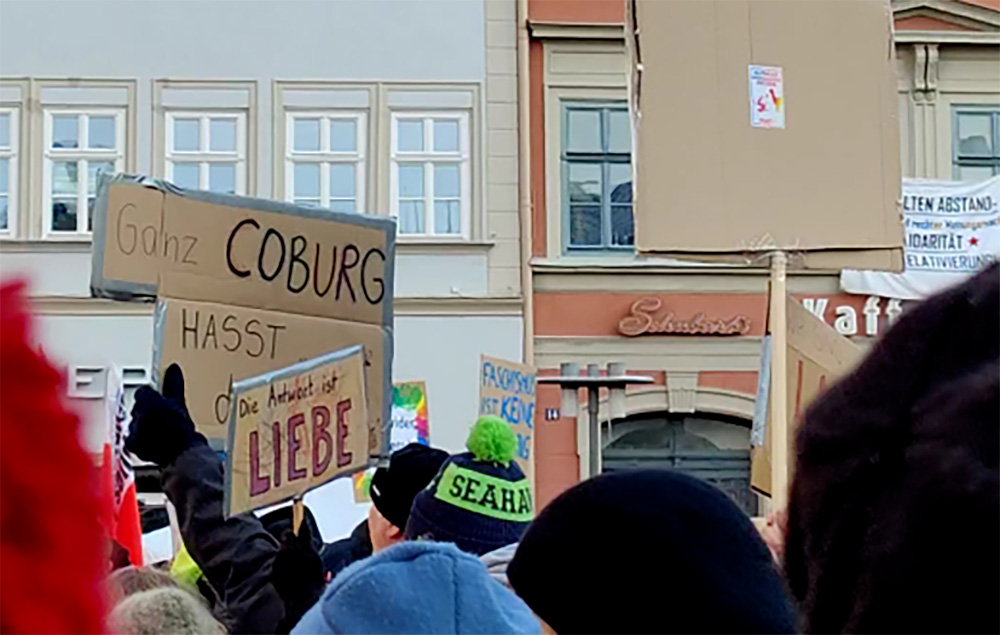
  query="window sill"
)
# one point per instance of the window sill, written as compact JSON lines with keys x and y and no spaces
{"x":441,"y":245}
{"x":76,"y":244}
{"x":632,"y":263}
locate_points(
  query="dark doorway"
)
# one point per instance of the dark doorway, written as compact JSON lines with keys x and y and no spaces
{"x":714,"y":449}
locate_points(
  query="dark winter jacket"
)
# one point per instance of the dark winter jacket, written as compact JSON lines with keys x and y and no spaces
{"x":338,"y":555}
{"x":236,"y":553}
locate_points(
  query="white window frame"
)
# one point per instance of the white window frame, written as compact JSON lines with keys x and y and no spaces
{"x":428,"y":157}
{"x":324,"y":157}
{"x":13,"y":174}
{"x":203,"y":157}
{"x":82,"y":156}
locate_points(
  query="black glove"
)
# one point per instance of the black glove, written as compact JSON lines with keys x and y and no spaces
{"x":161,"y":427}
{"x":297,"y":575}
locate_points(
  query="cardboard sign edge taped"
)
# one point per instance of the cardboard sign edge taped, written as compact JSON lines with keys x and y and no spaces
{"x":803,"y":326}
{"x":114,"y":289}
{"x":263,"y":379}
{"x":388,"y":335}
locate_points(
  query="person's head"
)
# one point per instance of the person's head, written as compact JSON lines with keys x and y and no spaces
{"x":480,"y":500}
{"x":128,"y":581}
{"x":659,"y":552}
{"x":163,"y":610}
{"x":419,"y":587}
{"x":894,"y":510}
{"x":392,"y":490}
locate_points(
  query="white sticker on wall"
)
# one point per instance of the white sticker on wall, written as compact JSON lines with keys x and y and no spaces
{"x":767,"y":97}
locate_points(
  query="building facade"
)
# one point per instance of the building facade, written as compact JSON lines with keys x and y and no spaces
{"x":595,"y":302}
{"x":398,"y":108}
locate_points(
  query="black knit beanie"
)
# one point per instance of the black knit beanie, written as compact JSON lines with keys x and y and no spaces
{"x":648,"y":551}
{"x":481,"y":500}
{"x":410,"y":469}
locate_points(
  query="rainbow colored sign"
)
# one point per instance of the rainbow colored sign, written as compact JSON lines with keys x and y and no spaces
{"x":409,"y":415}
{"x":409,"y":425}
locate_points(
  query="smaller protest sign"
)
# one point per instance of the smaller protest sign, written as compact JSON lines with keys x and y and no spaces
{"x":507,"y":390}
{"x":409,"y":415}
{"x":816,"y":357}
{"x":408,"y":425}
{"x":296,"y":428}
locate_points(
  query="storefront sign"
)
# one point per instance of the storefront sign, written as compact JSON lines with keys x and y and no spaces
{"x":294,"y":429}
{"x":852,"y":315}
{"x":647,"y":318}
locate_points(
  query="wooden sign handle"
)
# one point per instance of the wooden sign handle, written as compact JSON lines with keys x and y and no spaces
{"x":778,"y":424}
{"x":298,"y":513}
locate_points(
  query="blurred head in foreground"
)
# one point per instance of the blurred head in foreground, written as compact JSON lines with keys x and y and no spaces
{"x":128,"y":581}
{"x":894,"y":513}
{"x":163,"y":610}
{"x":648,"y":551}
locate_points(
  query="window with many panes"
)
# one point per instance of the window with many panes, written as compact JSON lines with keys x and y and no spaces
{"x":430,"y":173}
{"x":325,"y":160}
{"x":207,"y":151}
{"x":597,"y":176}
{"x":79,"y":146}
{"x":8,"y":170}
{"x":975,"y":143}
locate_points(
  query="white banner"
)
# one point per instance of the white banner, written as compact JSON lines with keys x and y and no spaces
{"x":952,"y":230}
{"x":118,"y":423}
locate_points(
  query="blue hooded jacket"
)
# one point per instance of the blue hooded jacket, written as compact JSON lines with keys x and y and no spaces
{"x":417,"y":587}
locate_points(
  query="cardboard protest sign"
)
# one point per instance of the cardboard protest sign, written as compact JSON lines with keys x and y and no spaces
{"x":275,"y":256}
{"x":246,"y":286}
{"x":294,"y":429}
{"x":952,"y":231}
{"x":408,"y":424}
{"x":217,"y":344}
{"x":507,"y":390}
{"x":816,"y":356}
{"x":715,"y":181}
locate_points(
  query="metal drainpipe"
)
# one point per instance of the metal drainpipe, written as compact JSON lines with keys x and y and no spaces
{"x":524,"y":179}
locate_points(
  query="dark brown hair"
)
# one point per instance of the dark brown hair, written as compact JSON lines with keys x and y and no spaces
{"x":894,"y":513}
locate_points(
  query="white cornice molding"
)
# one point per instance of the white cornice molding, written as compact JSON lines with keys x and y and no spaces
{"x":947,"y":8}
{"x":948,"y":37}
{"x":969,"y":15}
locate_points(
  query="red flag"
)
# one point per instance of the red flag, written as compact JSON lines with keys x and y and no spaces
{"x":50,"y":541}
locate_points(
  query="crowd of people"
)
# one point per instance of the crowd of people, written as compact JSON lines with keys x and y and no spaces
{"x":893,"y":522}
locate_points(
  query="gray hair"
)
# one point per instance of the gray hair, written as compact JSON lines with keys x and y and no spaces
{"x":163,"y":610}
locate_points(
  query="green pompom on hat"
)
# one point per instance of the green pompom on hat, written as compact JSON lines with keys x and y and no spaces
{"x":480,"y":500}
{"x":491,"y":439}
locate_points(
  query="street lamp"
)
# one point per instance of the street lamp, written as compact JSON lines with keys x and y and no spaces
{"x":570,"y":381}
